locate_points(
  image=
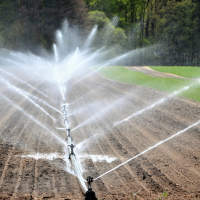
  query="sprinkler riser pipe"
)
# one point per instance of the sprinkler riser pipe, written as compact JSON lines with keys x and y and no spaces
{"x":72,"y":155}
{"x":76,"y":167}
{"x":67,"y":126}
{"x":78,"y":173}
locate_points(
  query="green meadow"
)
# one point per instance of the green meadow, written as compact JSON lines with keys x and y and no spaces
{"x":169,"y":85}
{"x":188,"y":72}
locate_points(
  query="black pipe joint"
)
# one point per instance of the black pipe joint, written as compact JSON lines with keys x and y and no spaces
{"x":68,"y":130}
{"x":72,"y":150}
{"x":90,"y":194}
{"x":64,"y":110}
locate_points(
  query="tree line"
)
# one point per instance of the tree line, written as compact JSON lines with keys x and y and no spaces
{"x":162,"y":32}
{"x":27,"y":24}
{"x":169,"y":29}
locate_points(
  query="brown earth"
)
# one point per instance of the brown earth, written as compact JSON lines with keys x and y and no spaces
{"x":99,"y":103}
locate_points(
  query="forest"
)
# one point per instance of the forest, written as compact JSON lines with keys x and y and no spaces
{"x":162,"y":32}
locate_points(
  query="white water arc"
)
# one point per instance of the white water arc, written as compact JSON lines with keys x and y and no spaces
{"x":59,"y":37}
{"x":90,"y":37}
{"x":20,"y":91}
{"x":22,"y":82}
{"x":55,"y":67}
{"x":157,"y":103}
{"x":103,"y":112}
{"x":34,"y":64}
{"x":150,"y":148}
{"x":138,"y":112}
{"x":42,"y":101}
{"x":55,"y":52}
{"x":35,"y":120}
{"x":61,"y":87}
{"x":24,"y":67}
{"x":72,"y":62}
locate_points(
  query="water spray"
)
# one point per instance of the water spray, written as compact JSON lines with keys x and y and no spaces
{"x":35,"y":120}
{"x":91,"y":37}
{"x":150,"y":148}
{"x":92,"y":73}
{"x":20,"y":91}
{"x":155,"y":104}
{"x":61,"y":88}
{"x":137,"y":113}
{"x":42,"y":101}
{"x":25,"y":67}
{"x":22,"y":82}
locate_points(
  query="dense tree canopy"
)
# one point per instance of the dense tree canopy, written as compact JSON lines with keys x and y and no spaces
{"x":173,"y":24}
{"x":26,"y":24}
{"x":170,"y":27}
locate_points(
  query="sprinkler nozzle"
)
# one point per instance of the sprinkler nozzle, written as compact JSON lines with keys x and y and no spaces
{"x":72,"y":150}
{"x":64,"y":107}
{"x":68,"y":130}
{"x":89,"y":181}
{"x":90,"y":194}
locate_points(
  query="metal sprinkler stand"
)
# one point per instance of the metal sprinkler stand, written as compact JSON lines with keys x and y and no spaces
{"x":90,"y":194}
{"x":72,"y":152}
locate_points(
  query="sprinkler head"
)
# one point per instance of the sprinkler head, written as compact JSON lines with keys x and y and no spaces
{"x":89,"y":181}
{"x":90,"y":194}
{"x":68,"y":130}
{"x":64,"y":106}
{"x":72,"y":150}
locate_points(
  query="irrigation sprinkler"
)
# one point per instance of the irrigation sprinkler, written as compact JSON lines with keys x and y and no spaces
{"x":72,"y":150}
{"x":89,"y":193}
{"x":66,"y":121}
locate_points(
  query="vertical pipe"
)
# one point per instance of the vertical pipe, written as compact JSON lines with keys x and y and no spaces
{"x":72,"y":155}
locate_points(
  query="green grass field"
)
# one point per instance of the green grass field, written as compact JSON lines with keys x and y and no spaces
{"x":170,"y":85}
{"x":188,"y":72}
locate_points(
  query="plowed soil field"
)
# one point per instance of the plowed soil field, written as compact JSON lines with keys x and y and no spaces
{"x":95,"y":105}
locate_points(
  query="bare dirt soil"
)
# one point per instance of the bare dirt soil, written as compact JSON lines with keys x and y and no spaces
{"x":98,"y":103}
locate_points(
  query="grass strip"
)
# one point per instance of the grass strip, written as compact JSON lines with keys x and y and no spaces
{"x":170,"y":85}
{"x":188,"y":72}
